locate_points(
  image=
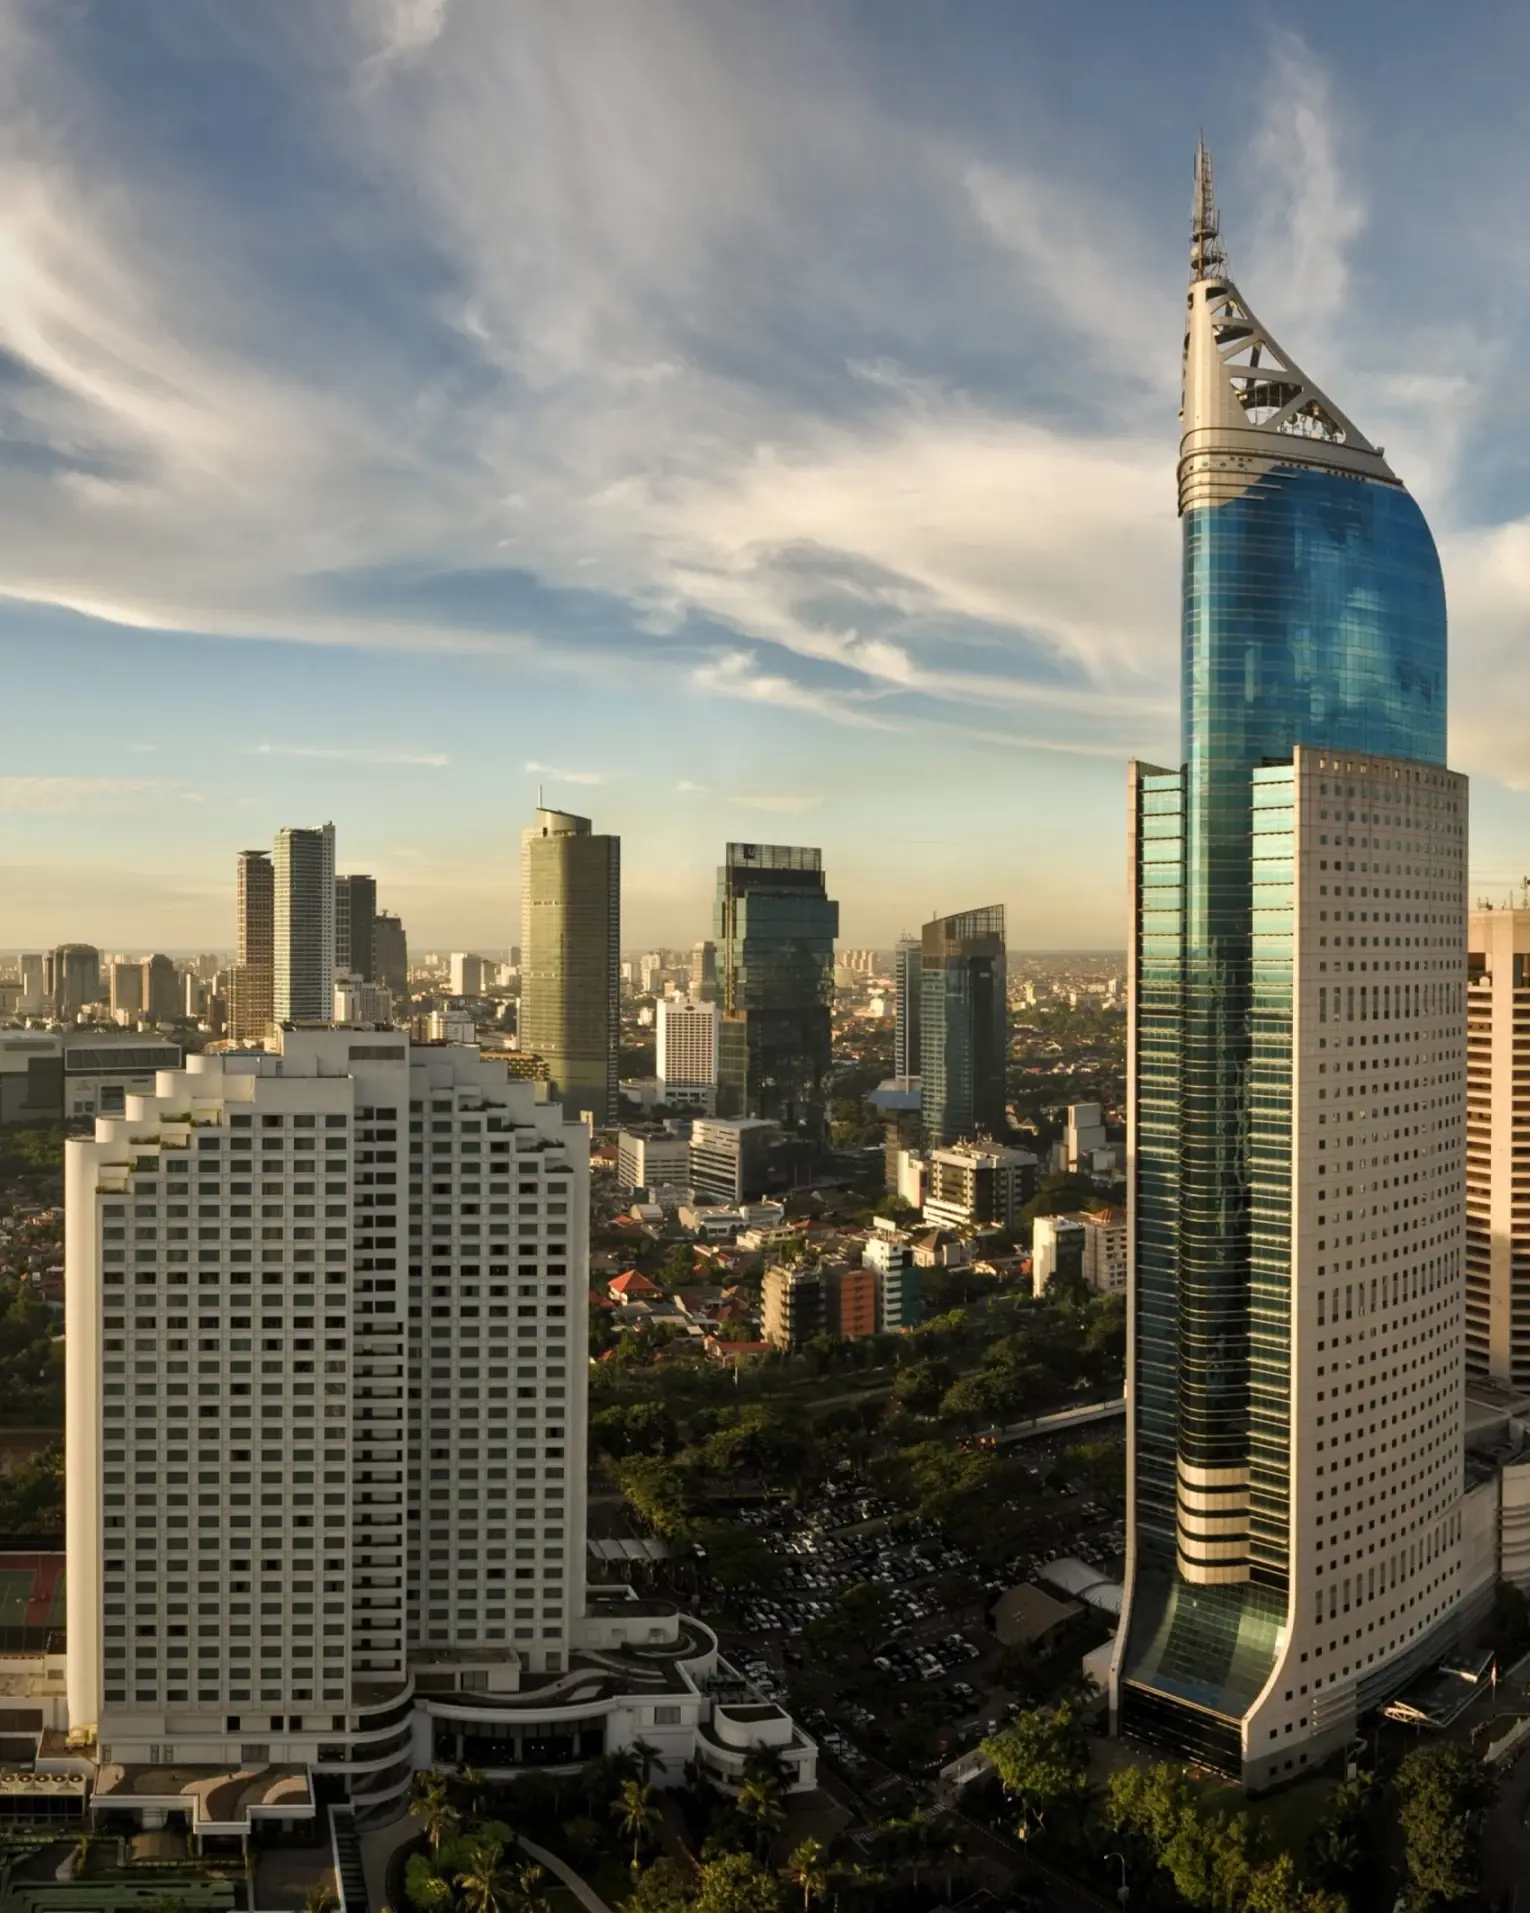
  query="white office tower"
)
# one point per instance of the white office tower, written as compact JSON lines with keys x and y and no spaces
{"x":685,"y":1059}
{"x":470,"y":975}
{"x":34,"y":986}
{"x":304,"y":953}
{"x":327,"y":1439}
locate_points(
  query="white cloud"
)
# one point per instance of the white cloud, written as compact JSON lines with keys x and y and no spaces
{"x":354,"y":754}
{"x":79,"y":796}
{"x":565,"y":776}
{"x":787,"y":803}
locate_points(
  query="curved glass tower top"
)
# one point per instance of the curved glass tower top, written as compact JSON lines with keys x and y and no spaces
{"x":1314,"y":611}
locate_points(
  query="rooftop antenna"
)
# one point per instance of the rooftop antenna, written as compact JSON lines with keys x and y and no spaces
{"x":1207,"y":259}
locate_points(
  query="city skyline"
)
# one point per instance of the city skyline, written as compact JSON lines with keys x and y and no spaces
{"x":820,"y":559}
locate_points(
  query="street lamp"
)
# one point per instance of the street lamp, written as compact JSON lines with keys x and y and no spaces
{"x":1123,"y":1891}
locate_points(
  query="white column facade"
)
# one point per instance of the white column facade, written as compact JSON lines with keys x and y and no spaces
{"x":1379,"y":1578}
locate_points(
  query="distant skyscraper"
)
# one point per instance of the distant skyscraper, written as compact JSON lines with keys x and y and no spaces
{"x":127,"y":988}
{"x":355,"y":927}
{"x":252,"y":984}
{"x":76,"y":978}
{"x":685,"y":1053}
{"x":1299,"y":1545}
{"x":908,"y":983}
{"x":703,"y":985}
{"x":303,"y":989}
{"x":570,"y":979}
{"x":964,"y":1026}
{"x":163,"y":994}
{"x":470,"y":975}
{"x":776,"y":926}
{"x":1498,"y":1148}
{"x":391,"y":950}
{"x":34,"y":987}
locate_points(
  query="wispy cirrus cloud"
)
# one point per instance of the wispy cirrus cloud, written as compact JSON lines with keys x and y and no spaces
{"x":563,"y":776}
{"x":81,"y":796}
{"x":355,"y":754}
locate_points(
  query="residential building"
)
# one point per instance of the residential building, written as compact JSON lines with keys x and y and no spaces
{"x":776,"y":926}
{"x":127,"y":988}
{"x":162,"y":991}
{"x":978,"y":1185}
{"x":252,"y":986}
{"x":356,"y":927}
{"x":570,"y":931}
{"x":799,"y":1301}
{"x":1085,"y":1139}
{"x":75,"y":979}
{"x":856,"y":1305}
{"x":391,"y":955}
{"x":303,"y":884}
{"x":908,"y":989}
{"x":470,"y":975}
{"x":730,"y":1156}
{"x":964,"y":1026}
{"x":368,"y":1004}
{"x":1107,"y":1251}
{"x":1296,"y":1072}
{"x":1057,"y":1249}
{"x":900,"y":1295}
{"x":652,"y":1159}
{"x":1498,"y":1147}
{"x":686,"y":1052}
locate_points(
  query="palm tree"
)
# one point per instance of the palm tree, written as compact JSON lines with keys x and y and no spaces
{"x":474,"y":1784}
{"x":635,"y":1813}
{"x":320,"y":1898}
{"x":488,"y":1884}
{"x":432,"y":1801}
{"x":759,"y":1800}
{"x":648,"y":1757}
{"x":806,"y":1869}
{"x":528,"y":1888}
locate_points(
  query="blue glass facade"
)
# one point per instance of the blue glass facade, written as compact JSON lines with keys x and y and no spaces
{"x":1313,"y":614}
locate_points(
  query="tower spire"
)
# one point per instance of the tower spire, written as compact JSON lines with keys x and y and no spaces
{"x":1207,"y":259}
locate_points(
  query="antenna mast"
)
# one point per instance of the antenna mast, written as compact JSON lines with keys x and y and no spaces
{"x":1207,"y":259}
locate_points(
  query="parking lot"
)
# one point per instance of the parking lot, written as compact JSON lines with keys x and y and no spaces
{"x":926,"y":1687}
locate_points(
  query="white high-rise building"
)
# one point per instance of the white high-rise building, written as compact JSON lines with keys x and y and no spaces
{"x":264,"y":1522}
{"x":685,"y":1059}
{"x":304,"y":942}
{"x":469,"y":974}
{"x":1497,"y":1162}
{"x":326,"y":1326}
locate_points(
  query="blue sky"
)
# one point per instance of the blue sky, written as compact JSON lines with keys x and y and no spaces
{"x":743,"y":420}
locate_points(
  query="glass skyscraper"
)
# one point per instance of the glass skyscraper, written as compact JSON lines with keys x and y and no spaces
{"x":775,"y":930}
{"x":964,"y":1026}
{"x":1299,"y":1539}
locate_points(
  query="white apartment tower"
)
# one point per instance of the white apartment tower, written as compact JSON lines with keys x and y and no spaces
{"x":304,"y":942}
{"x":1498,"y":1147}
{"x":325,"y":1403}
{"x":685,"y":1059}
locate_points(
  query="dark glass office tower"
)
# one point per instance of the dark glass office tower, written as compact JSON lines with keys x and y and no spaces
{"x":1296,"y":1078}
{"x":908,"y":987}
{"x":775,"y":930}
{"x":964,"y":1026}
{"x":356,"y":927}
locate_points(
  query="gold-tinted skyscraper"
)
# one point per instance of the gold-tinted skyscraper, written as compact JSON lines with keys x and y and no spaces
{"x":570,"y":936}
{"x":250,"y":1004}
